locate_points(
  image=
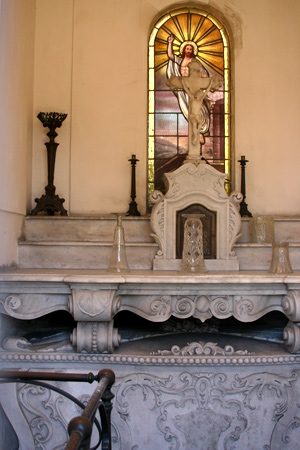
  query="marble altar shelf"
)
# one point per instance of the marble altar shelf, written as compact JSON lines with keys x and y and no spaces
{"x":85,"y":242}
{"x":93,"y":298}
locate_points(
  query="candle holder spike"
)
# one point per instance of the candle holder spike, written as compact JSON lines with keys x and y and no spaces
{"x":133,"y":210}
{"x":243,"y":206}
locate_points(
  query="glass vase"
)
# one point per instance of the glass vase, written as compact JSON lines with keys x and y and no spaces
{"x":192,"y":253}
{"x":280,"y":258}
{"x":118,"y":260}
{"x":261,"y":230}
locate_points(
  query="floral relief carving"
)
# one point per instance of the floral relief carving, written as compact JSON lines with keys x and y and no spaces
{"x":243,"y":308}
{"x":219,"y":187}
{"x":202,"y":348}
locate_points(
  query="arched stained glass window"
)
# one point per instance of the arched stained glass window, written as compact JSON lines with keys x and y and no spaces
{"x":175,"y":38}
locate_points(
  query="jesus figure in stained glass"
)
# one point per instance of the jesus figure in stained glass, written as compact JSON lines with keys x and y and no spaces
{"x":196,"y":88}
{"x":179,"y":66}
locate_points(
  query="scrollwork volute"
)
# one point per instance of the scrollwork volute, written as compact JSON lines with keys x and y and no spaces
{"x":12,"y":304}
{"x":222,"y":307}
{"x":183,"y":307}
{"x":291,"y":305}
{"x":291,"y":337}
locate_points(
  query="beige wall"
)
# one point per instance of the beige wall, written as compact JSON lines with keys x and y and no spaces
{"x":17,"y":24}
{"x":91,"y":62}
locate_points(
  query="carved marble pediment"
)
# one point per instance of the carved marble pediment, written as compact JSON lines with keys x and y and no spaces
{"x":195,"y":184}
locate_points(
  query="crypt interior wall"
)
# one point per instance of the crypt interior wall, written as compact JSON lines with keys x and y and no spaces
{"x":90,"y":61}
{"x":17,"y":34}
{"x":99,"y":76}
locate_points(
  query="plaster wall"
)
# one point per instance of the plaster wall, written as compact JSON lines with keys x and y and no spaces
{"x":17,"y":24}
{"x":91,"y":62}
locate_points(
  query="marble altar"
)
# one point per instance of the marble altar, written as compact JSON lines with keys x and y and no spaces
{"x":178,"y":364}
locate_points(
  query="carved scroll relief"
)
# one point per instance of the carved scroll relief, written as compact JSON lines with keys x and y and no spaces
{"x":31,"y":306}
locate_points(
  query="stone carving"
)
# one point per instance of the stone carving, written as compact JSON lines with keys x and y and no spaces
{"x":202,"y":307}
{"x":55,"y":343}
{"x":95,"y":337}
{"x":157,"y":199}
{"x":234,"y":219}
{"x":94,"y":304}
{"x":202,"y":427}
{"x":31,"y":306}
{"x":152,"y":307}
{"x":99,"y":306}
{"x":162,"y":306}
{"x":45,"y":413}
{"x":14,"y":343}
{"x":183,"y":307}
{"x":195,"y":184}
{"x":59,"y":357}
{"x":207,"y":410}
{"x":191,"y":409}
{"x":291,"y":337}
{"x":291,"y":305}
{"x":222,"y":307}
{"x":202,"y":348}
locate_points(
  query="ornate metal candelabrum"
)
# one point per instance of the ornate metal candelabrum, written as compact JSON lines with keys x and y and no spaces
{"x":243,"y":206}
{"x":50,"y":202}
{"x":133,"y":211}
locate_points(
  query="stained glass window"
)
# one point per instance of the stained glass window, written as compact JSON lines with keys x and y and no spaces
{"x":167,"y":123}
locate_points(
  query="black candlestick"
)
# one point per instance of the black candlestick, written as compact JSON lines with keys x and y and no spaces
{"x":243,"y":206}
{"x":50,"y":203}
{"x":133,"y":211}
